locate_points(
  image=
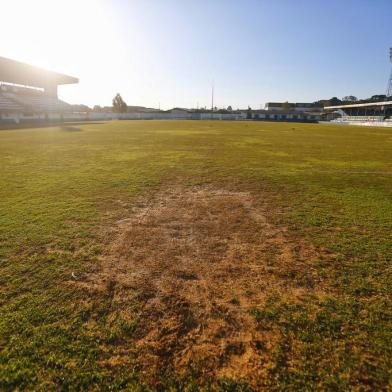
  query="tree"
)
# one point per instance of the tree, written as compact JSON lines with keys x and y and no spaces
{"x":321,"y":103}
{"x":380,"y":97}
{"x":229,"y":108}
{"x":249,"y":113}
{"x":350,"y":98}
{"x":119,"y":106}
{"x":97,"y":108}
{"x":286,"y":106}
{"x":335,"y":101}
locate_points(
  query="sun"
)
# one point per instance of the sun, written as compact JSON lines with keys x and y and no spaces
{"x":55,"y":33}
{"x":74,"y":37}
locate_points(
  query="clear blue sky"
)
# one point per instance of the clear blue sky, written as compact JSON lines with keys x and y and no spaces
{"x":169,"y":51}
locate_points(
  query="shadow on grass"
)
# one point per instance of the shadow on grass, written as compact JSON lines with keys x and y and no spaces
{"x":12,"y":126}
{"x":70,"y":129}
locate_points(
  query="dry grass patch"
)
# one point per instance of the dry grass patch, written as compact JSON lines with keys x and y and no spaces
{"x":191,"y":263}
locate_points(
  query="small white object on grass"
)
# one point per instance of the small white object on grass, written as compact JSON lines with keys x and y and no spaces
{"x":74,"y":276}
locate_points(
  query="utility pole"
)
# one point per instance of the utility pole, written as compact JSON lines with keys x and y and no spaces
{"x":212,"y":96}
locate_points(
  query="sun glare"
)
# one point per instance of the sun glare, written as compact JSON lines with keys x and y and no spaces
{"x":70,"y":36}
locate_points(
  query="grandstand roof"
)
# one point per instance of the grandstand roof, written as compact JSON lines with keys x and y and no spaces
{"x":12,"y":71}
{"x":360,"y":105}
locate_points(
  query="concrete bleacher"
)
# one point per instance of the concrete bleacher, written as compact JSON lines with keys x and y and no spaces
{"x":37,"y":103}
{"x":370,"y":121}
{"x":9,"y":105}
{"x":362,"y":118}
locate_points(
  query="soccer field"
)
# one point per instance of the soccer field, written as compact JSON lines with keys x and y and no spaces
{"x":146,"y":255}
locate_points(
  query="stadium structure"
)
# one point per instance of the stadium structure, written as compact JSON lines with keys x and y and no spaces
{"x":29,"y":93}
{"x":369,"y":113}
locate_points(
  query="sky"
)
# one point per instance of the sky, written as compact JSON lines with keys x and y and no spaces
{"x":167,"y":53}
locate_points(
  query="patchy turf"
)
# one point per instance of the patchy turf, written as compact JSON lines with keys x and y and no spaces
{"x":187,"y":268}
{"x":223,"y":255}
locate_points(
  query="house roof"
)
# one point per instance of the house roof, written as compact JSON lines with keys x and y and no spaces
{"x":178,"y":110}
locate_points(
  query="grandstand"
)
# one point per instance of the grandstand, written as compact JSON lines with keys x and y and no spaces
{"x":30,"y":93}
{"x":365,"y":113}
{"x":371,"y":113}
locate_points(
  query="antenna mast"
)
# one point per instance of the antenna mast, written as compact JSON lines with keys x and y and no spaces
{"x":389,"y":87}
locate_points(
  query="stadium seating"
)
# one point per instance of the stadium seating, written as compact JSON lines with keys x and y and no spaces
{"x":8,"y":105}
{"x":360,"y":119}
{"x":37,"y":103}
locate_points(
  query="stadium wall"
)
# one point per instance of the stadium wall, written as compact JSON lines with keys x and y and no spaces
{"x":176,"y":114}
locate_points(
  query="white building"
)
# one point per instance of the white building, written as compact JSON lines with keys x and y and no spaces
{"x":297,"y":107}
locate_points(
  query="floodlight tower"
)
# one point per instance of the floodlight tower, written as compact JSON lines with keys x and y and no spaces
{"x":389,"y":87}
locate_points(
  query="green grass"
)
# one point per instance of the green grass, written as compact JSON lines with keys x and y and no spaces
{"x":58,"y":184}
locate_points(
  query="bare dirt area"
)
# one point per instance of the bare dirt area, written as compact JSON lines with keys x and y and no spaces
{"x":192,"y":262}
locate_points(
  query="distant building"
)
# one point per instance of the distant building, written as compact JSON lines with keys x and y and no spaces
{"x":281,"y":115}
{"x":297,"y":107}
{"x":179,"y":112}
{"x":139,"y":109}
